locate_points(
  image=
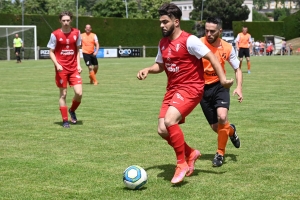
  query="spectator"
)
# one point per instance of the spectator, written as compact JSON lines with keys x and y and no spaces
{"x":256,"y":48}
{"x":283,"y":48}
{"x":270,"y":48}
{"x":262,"y":48}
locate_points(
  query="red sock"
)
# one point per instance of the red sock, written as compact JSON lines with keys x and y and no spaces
{"x":177,"y":140}
{"x":248,"y":65}
{"x":64,"y":112}
{"x":188,"y":149}
{"x":168,"y":139}
{"x":75,"y":105}
{"x":223,"y":132}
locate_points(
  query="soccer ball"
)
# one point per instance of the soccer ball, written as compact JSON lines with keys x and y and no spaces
{"x":134,"y":177}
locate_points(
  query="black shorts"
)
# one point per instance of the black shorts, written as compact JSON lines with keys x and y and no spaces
{"x":244,"y":52}
{"x":17,"y":50}
{"x":215,"y":96}
{"x":90,"y":59}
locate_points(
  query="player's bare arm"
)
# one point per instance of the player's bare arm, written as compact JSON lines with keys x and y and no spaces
{"x":154,"y":69}
{"x":97,"y":48}
{"x":53,"y":58}
{"x":78,"y":60}
{"x":218,"y":69}
{"x":239,"y":82}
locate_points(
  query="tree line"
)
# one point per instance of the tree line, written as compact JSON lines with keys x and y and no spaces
{"x":227,"y":10}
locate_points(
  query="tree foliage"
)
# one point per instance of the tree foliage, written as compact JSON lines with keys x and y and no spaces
{"x":259,"y":4}
{"x":258,"y":17}
{"x":227,"y":10}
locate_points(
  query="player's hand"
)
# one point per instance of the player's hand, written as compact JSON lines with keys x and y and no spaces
{"x":227,"y":84}
{"x":142,"y":74}
{"x":79,"y":69}
{"x":95,"y":53}
{"x":239,"y":93}
{"x":59,"y":67}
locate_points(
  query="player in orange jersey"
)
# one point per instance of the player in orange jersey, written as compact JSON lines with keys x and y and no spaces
{"x":64,"y":47}
{"x":216,"y":98}
{"x":89,"y":42}
{"x":180,"y":57}
{"x":244,"y":46}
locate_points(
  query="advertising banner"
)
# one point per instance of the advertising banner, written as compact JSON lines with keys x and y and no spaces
{"x":44,"y":54}
{"x":129,"y":52}
{"x":107,"y":53}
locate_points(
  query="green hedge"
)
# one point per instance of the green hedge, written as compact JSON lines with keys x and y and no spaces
{"x":258,"y":29}
{"x":292,"y":26}
{"x":110,"y":31}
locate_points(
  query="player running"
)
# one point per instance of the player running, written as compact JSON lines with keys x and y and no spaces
{"x":179,"y":55}
{"x":216,"y":98}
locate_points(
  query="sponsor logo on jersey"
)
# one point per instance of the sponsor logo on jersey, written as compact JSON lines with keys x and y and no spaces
{"x":67,"y":52}
{"x":171,"y":67}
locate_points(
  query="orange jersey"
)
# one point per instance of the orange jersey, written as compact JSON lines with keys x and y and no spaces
{"x":243,"y":40}
{"x":88,"y":42}
{"x":223,"y":53}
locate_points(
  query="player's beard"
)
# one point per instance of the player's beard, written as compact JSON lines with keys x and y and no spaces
{"x":169,"y":32}
{"x":211,"y":40}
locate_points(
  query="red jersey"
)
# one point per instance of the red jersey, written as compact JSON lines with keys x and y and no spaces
{"x":184,"y":71}
{"x":65,"y":48}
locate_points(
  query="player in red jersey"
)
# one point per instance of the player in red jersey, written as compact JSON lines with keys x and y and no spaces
{"x":64,"y":47}
{"x":179,"y":55}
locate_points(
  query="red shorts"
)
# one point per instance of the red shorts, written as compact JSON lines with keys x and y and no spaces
{"x":183,"y":101}
{"x":63,"y":78}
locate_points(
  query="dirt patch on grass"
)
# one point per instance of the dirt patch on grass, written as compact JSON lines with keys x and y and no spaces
{"x":295,"y":43}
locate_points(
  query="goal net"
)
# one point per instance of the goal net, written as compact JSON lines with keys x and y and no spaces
{"x":26,"y":33}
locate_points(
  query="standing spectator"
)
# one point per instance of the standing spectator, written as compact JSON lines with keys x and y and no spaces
{"x":216,"y":99}
{"x":262,"y":46}
{"x":283,"y":48}
{"x":179,"y":55}
{"x":64,"y":47}
{"x":244,"y":46}
{"x":89,"y":41}
{"x":256,"y":46}
{"x":18,"y":44}
{"x":270,"y":48}
{"x":290,"y":48}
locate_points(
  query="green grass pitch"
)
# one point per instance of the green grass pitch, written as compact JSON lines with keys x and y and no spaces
{"x":117,"y":128}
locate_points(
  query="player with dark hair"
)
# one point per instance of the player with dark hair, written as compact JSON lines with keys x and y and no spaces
{"x":179,"y":55}
{"x":244,"y":46}
{"x":89,"y":41}
{"x":18,"y":44}
{"x":64,"y":47}
{"x":216,"y":99}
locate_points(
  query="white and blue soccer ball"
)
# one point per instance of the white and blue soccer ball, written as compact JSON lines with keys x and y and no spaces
{"x":135,"y":177}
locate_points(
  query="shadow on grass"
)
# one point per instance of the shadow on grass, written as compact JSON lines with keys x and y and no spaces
{"x":143,"y":188}
{"x":169,"y":169}
{"x":228,"y":157}
{"x":78,"y":123}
